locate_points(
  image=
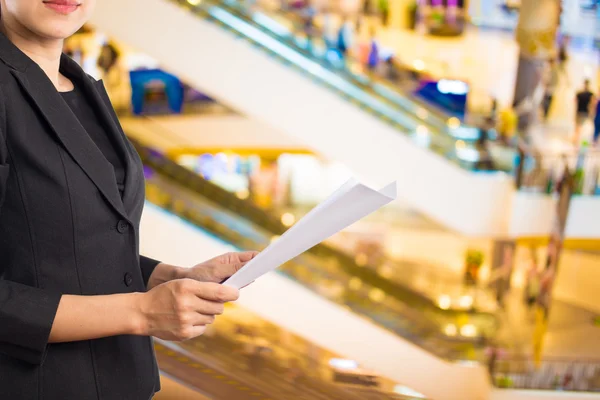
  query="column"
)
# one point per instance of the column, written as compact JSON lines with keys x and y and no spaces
{"x":536,"y":36}
{"x":399,"y":13}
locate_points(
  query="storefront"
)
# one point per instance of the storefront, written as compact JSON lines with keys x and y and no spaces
{"x":579,"y":18}
{"x":270,"y":179}
{"x":443,"y":17}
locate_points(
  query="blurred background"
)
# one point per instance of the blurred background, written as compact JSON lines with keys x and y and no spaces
{"x":481,"y":282}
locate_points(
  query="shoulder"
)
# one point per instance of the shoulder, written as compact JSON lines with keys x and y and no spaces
{"x":91,"y":78}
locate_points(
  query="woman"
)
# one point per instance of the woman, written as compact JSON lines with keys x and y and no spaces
{"x":78,"y":304}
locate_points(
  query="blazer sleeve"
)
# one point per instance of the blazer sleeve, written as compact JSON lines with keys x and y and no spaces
{"x":26,"y":313}
{"x":147,"y":265}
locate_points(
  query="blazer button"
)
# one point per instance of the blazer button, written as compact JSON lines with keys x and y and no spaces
{"x":128,"y":279}
{"x":122,"y":226}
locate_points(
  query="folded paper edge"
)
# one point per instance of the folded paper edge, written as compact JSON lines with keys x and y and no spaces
{"x":391,"y":190}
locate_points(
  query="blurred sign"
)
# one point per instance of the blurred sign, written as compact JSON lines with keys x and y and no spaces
{"x":449,"y":86}
{"x":448,"y":94}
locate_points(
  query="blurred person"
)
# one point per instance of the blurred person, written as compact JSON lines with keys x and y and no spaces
{"x":78,"y":303}
{"x":562,"y":55}
{"x":568,"y":378}
{"x":532,"y":282}
{"x":308,"y":24}
{"x":501,"y":276}
{"x":373,"y":52}
{"x":384,"y":10}
{"x":596,"y":122}
{"x":528,"y":110}
{"x":508,"y":122}
{"x":551,"y":86}
{"x":115,"y":77}
{"x":546,"y":282}
{"x":583,"y":101}
{"x":345,"y":38}
{"x":392,"y":72}
{"x":494,"y":110}
{"x":493,"y":353}
{"x":485,"y":161}
{"x":329,"y":28}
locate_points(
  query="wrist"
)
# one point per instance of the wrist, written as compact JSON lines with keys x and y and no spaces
{"x":164,"y":273}
{"x":137,"y":318}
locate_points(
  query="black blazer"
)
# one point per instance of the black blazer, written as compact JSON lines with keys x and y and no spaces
{"x":64,"y":229}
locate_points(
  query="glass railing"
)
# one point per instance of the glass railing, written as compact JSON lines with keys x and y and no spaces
{"x":548,"y":374}
{"x":452,"y":334}
{"x":427,"y":126}
{"x":542,"y":173}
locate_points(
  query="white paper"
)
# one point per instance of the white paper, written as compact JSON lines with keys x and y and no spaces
{"x":348,"y":204}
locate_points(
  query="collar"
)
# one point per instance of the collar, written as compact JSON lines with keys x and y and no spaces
{"x":12,"y":56}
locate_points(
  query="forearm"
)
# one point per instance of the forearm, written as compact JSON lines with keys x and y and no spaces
{"x":164,"y":273}
{"x":92,"y":317}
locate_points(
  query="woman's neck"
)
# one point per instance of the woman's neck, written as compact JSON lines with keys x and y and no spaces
{"x":44,"y":52}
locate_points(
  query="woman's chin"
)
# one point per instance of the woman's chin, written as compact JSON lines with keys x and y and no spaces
{"x":56,"y":31}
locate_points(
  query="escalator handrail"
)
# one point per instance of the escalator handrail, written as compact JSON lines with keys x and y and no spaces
{"x":375,"y":81}
{"x":445,"y":149}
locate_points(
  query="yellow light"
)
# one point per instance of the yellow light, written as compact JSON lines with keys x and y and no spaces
{"x":288,"y":219}
{"x":444,"y":302}
{"x":355,"y":283}
{"x":422,"y":113}
{"x":194,"y":2}
{"x":419,"y":65}
{"x":361,"y":259}
{"x":386,"y":271}
{"x":460,"y":144}
{"x":465,"y":301}
{"x":274,"y":238}
{"x":376,"y":295}
{"x":468,"y":330}
{"x":450,"y":330}
{"x":453,"y":123}
{"x":422,"y":130}
{"x":242,"y":194}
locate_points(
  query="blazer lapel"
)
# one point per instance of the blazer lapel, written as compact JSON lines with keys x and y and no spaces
{"x":71,"y":133}
{"x":133,"y":168}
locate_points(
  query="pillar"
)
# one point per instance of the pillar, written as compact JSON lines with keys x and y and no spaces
{"x":536,"y":36}
{"x":399,"y":13}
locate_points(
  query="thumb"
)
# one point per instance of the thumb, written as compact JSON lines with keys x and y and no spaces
{"x":226,"y":270}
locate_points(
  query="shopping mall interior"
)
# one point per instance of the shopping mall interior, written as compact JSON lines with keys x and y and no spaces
{"x":480,"y":281}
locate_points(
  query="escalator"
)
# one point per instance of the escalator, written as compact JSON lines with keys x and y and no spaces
{"x":248,"y":226}
{"x":219,"y":367}
{"x":379,"y":133}
{"x":323,"y":275}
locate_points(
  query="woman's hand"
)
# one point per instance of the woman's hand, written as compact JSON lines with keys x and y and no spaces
{"x":182,"y":309}
{"x":219,"y":268}
{"x":214,"y":270}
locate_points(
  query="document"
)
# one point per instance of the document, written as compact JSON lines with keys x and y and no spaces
{"x":348,"y":204}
